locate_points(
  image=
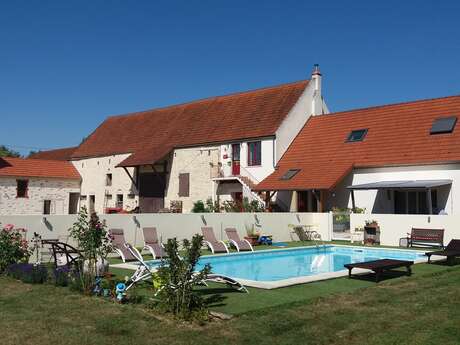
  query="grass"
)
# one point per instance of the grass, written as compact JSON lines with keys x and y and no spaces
{"x":422,"y":309}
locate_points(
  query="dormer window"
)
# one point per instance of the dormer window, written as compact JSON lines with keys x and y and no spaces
{"x":443,"y":125}
{"x":357,"y":135}
{"x":289,"y":174}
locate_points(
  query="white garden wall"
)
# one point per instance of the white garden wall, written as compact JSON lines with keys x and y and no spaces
{"x":181,"y":225}
{"x":393,"y":226}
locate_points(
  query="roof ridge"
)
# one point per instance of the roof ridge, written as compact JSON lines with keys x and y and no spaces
{"x":211,"y":98}
{"x":388,"y":105}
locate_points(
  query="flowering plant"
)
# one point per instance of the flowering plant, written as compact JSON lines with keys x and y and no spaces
{"x":13,"y":246}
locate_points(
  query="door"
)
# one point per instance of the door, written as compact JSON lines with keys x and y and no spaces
{"x":73,"y":202}
{"x":92,"y":203}
{"x":235,"y":159}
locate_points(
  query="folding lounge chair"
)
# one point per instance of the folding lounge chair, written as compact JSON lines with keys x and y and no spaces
{"x":152,"y":244}
{"x":118,"y":241}
{"x":240,"y":245}
{"x":213,"y":244}
{"x":451,"y":251}
{"x":143,"y":271}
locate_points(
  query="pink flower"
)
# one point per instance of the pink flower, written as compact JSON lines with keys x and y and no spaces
{"x":8,"y":227}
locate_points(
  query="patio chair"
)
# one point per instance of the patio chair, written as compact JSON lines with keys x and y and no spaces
{"x":451,"y":251}
{"x":118,"y":241}
{"x":213,"y":244}
{"x":235,"y":240}
{"x":152,"y":244}
{"x":63,"y":253}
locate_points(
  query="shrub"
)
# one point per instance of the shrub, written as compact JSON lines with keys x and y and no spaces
{"x":244,"y":206}
{"x":13,"y":246}
{"x":177,"y":280}
{"x":94,"y":243}
{"x":28,"y":273}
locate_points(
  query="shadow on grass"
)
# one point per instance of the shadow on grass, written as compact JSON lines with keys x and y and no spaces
{"x":387,"y":275}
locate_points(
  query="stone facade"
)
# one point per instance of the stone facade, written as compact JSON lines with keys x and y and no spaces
{"x":39,"y":189}
{"x":94,"y":172}
{"x":200,"y":163}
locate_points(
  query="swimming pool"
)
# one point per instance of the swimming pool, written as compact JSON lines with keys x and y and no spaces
{"x":283,"y":267}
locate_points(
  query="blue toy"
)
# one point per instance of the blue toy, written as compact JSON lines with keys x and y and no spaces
{"x":267,"y":240}
{"x":120,"y":291}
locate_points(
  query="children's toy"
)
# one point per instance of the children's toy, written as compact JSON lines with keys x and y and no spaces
{"x":120,"y":291}
{"x":266,"y":239}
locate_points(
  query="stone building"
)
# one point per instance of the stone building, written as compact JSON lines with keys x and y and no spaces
{"x":35,"y":186}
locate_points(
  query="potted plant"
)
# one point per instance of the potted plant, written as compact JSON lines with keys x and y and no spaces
{"x":372,"y":223}
{"x":371,"y":232}
{"x":252,"y":234}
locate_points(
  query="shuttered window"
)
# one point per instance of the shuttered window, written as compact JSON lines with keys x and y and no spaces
{"x":184,"y":184}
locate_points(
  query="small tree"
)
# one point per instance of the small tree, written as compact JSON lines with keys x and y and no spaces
{"x":91,"y":236}
{"x":178,"y":278}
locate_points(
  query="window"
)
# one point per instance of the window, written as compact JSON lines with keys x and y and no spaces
{"x":22,"y":188}
{"x":109,"y":196}
{"x":119,"y":201}
{"x":443,"y":125}
{"x":184,"y":184}
{"x":254,"y":153}
{"x":289,"y":174}
{"x":46,"y":206}
{"x":131,"y":196}
{"x":357,"y":135}
{"x":83,"y":197}
{"x":414,"y":202}
{"x":108,"y":180}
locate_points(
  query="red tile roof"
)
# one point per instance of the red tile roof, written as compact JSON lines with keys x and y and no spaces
{"x":20,"y":167}
{"x":63,"y":154}
{"x":398,"y":134}
{"x":152,"y":134}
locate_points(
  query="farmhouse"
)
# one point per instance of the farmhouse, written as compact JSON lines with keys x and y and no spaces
{"x":217,"y":148}
{"x":35,"y":186}
{"x":400,"y":158}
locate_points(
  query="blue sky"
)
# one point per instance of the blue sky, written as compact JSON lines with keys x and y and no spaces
{"x":67,"y":65}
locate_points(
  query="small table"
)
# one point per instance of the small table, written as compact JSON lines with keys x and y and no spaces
{"x":379,"y":266}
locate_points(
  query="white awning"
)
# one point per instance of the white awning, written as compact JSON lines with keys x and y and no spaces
{"x":406,"y":184}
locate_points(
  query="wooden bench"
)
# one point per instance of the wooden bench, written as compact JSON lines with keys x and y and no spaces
{"x":379,"y":266}
{"x":426,"y":238}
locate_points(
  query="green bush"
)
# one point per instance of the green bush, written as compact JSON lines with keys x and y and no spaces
{"x":177,"y":280}
{"x":13,"y":246}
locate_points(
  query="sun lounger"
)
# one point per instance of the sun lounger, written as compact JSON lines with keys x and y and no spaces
{"x":234,"y":238}
{"x":118,"y":242}
{"x":379,"y":266}
{"x":152,"y":244}
{"x":213,"y":244}
{"x":452,"y":250}
{"x":142,"y":272}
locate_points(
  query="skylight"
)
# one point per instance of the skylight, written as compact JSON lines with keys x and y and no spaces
{"x":357,"y":135}
{"x":289,"y":174}
{"x":443,"y":125}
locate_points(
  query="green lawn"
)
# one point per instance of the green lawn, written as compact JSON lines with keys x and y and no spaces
{"x":422,"y":309}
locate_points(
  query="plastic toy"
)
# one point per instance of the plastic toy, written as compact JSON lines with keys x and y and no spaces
{"x":267,"y":240}
{"x":120,"y":291}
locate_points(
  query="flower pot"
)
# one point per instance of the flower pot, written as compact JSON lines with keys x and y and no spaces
{"x":102,"y":267}
{"x":254,"y":240}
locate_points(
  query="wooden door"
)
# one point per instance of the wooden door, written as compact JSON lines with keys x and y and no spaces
{"x":235,"y":159}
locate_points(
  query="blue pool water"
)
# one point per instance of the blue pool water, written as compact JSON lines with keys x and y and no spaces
{"x":273,"y":265}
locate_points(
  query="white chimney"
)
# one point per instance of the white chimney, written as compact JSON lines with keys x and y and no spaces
{"x":317,"y":99}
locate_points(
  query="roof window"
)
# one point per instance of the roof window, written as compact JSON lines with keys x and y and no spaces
{"x":443,"y":125}
{"x":289,"y":174}
{"x":357,"y":135}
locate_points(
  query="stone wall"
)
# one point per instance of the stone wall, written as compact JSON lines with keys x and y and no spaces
{"x":39,"y":190}
{"x":94,"y":171}
{"x":198,"y":162}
